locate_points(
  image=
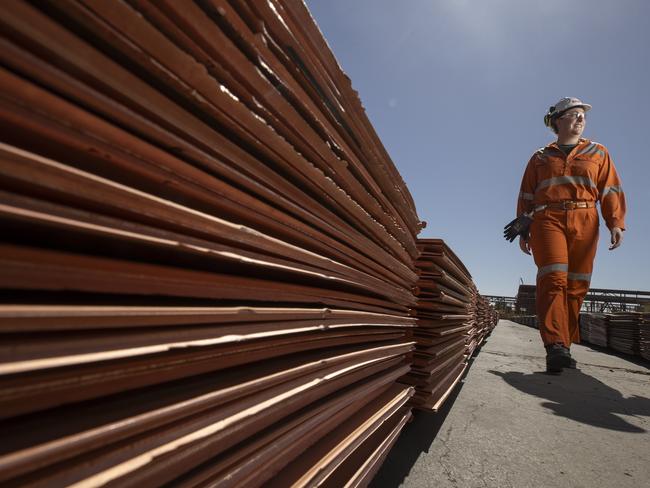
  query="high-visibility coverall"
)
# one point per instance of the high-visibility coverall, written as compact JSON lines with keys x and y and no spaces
{"x":564,"y":242}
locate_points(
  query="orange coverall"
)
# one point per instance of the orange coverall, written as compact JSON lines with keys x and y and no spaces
{"x":564,"y":241}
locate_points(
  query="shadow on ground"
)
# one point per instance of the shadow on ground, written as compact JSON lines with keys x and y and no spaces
{"x":638,"y":360}
{"x":580,"y":397}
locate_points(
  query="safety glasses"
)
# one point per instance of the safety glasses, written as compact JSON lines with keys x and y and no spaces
{"x":574,"y":116}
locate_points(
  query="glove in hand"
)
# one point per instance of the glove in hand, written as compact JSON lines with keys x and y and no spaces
{"x":518,"y":227}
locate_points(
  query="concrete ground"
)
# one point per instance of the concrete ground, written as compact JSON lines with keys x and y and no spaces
{"x":511,"y":425}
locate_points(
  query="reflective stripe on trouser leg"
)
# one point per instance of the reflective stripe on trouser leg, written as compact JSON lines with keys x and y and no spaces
{"x":550,"y":249}
{"x":577,"y":288}
{"x":582,"y":251}
{"x":552,"y":303}
{"x":549,"y":268}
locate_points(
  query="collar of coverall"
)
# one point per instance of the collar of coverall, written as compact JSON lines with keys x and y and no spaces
{"x":580,"y":142}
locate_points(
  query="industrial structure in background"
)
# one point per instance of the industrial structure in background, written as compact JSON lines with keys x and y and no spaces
{"x":209,"y":266}
{"x":615,"y":319}
{"x":598,"y":300}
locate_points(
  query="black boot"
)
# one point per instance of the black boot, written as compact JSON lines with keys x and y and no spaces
{"x":557,"y":358}
{"x":572,"y":362}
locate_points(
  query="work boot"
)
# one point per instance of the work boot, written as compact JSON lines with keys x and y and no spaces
{"x":572,"y":362}
{"x":557,"y":358}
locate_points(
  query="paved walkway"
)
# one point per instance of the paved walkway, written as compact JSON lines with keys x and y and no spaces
{"x":511,"y":425}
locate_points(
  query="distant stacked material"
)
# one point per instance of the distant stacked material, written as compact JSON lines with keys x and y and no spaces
{"x":529,"y":320}
{"x":644,"y":336}
{"x":594,"y":328}
{"x":624,"y":332}
{"x":206,"y":257}
{"x":446,"y":313}
{"x":486,"y":319}
{"x":474,"y":332}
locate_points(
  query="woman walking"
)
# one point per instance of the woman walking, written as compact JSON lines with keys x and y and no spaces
{"x":559,"y":191}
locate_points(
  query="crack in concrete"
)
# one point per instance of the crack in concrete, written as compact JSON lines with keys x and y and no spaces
{"x":471,"y":417}
{"x":445,"y":468}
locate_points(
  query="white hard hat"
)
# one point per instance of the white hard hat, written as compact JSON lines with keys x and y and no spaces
{"x":563,"y":105}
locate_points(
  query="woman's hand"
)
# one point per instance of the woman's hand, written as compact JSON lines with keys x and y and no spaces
{"x":524,"y":246}
{"x":617,"y":237}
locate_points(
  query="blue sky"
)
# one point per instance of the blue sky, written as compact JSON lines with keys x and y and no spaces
{"x":457,"y":90}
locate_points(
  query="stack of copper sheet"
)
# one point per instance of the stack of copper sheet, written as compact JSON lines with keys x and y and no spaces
{"x":446,"y":313}
{"x":624,"y":331}
{"x":472,"y":333}
{"x":207,"y":257}
{"x":485,"y":319}
{"x":644,"y":336}
{"x":593,"y":328}
{"x":529,"y":320}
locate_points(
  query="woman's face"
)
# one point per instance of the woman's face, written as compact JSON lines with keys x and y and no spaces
{"x":571,"y":123}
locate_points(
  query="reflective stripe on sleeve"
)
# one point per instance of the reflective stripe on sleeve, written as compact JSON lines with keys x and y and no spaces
{"x":612,"y":189}
{"x":580,"y":276}
{"x":526,"y":196}
{"x":591,"y":149}
{"x":551,"y":268}
{"x":564,"y":180}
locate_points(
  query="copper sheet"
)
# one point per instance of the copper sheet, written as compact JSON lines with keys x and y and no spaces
{"x":322,"y":379}
{"x":101,"y":195}
{"x":37,"y":317}
{"x":438,"y":397}
{"x":359,"y":469}
{"x":324,"y":457}
{"x":443,"y":254}
{"x":31,"y":268}
{"x":431,"y":272}
{"x":85,"y":229}
{"x":442,"y":330}
{"x":436,"y":345}
{"x":431,"y":363}
{"x":262,"y":138}
{"x":258,"y":461}
{"x":302,"y":45}
{"x":196,"y":23}
{"x":208,"y":266}
{"x":256,"y":206}
{"x":47,"y":384}
{"x":207,"y":441}
{"x":432,"y":287}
